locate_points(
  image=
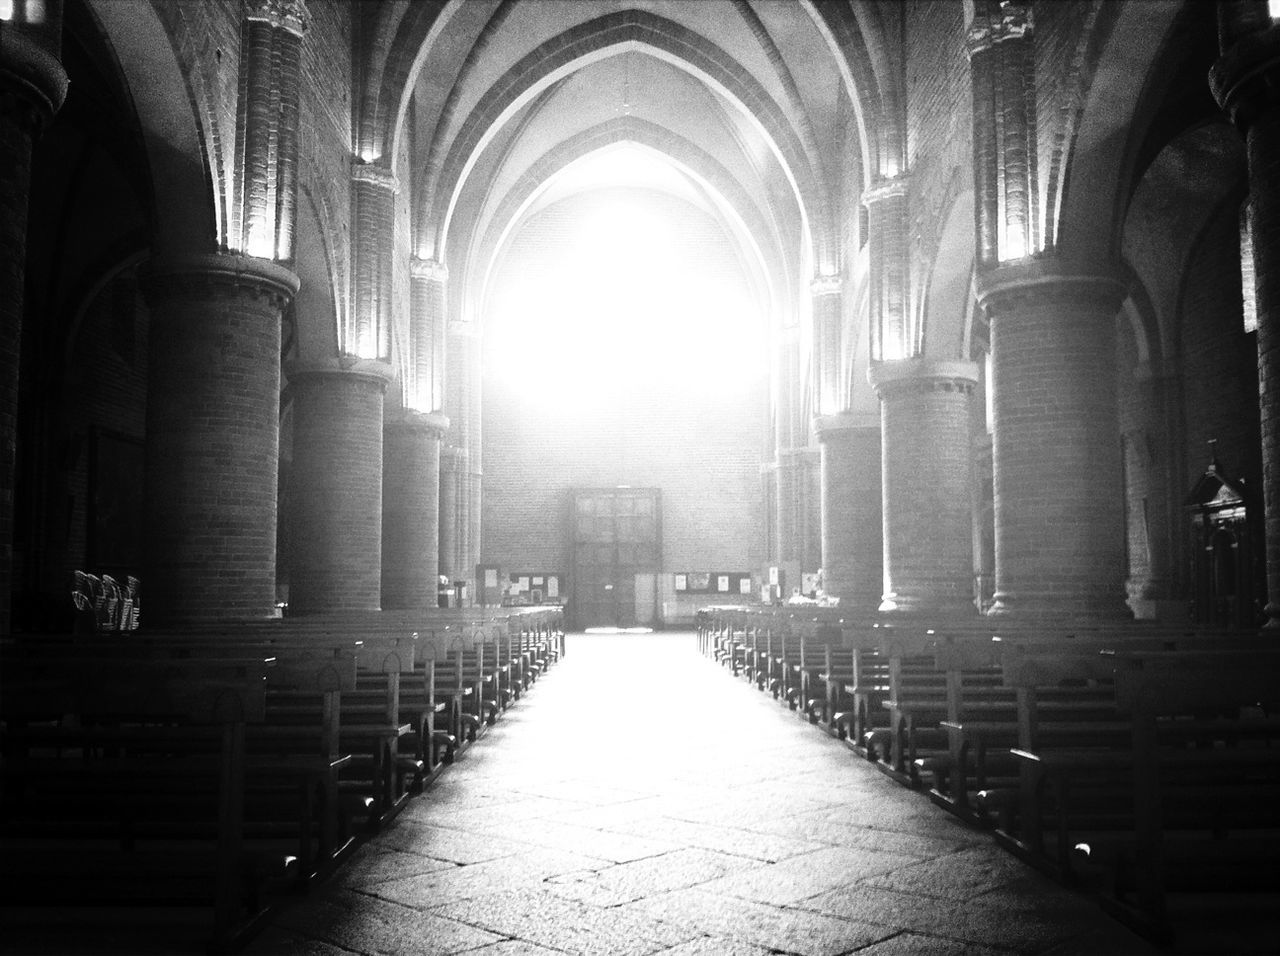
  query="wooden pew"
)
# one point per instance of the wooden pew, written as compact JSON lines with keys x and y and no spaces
{"x":1186,"y":797}
{"x":126,"y":783}
{"x":983,"y":722}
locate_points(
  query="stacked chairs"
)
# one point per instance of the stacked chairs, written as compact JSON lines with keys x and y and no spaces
{"x":1138,"y":763}
{"x":103,"y":604}
{"x":226,"y":767}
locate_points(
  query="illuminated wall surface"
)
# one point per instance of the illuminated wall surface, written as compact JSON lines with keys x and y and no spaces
{"x":622,"y":347}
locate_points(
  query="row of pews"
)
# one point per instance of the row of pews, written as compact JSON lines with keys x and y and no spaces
{"x":1139,"y":762}
{"x":222,"y":769}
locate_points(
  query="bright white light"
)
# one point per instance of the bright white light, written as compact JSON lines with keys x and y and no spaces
{"x":1014,"y":244}
{"x":1273,"y":7}
{"x":621,"y":309}
{"x":6,"y":9}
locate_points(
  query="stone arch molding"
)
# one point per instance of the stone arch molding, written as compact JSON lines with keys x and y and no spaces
{"x":179,"y":127}
{"x":757,"y":239}
{"x":610,"y":35}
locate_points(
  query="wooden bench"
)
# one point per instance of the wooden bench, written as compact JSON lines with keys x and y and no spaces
{"x":1188,"y":797}
{"x":130,"y":784}
{"x":985,"y":721}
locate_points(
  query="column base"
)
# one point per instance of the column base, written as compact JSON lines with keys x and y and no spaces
{"x":1105,"y":609}
{"x":900,"y":606}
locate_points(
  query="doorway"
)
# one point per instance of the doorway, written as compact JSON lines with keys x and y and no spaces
{"x":617,"y":548}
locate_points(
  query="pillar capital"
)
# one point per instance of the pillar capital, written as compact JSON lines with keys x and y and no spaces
{"x":344,"y":367}
{"x":216,"y":274}
{"x":374,"y":175}
{"x":894,"y":187}
{"x":33,"y":83}
{"x":1243,"y":78}
{"x":410,"y":420}
{"x":822,"y":286}
{"x":1045,"y":281}
{"x":288,"y":15}
{"x":1013,"y":22}
{"x":831,"y":427}
{"x":432,"y":270}
{"x":923,"y":375}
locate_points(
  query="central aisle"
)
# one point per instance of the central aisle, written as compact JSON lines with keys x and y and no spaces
{"x":640,"y":800}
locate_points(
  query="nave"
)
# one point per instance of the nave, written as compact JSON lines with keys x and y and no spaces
{"x":639,"y":800}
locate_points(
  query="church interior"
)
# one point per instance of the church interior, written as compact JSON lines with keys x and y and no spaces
{"x":912,"y":362}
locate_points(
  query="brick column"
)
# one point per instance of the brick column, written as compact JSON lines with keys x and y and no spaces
{"x":32,"y":88}
{"x":894,"y":335}
{"x":427,"y":330}
{"x":928,"y":521}
{"x":337,"y":495}
{"x":452,"y":471}
{"x":213,"y":433}
{"x":411,"y":509}
{"x":373,"y":191}
{"x":1058,"y":491}
{"x":788,"y":483}
{"x":829,"y":386}
{"x":852,"y":559}
{"x":264,"y":207}
{"x":1246,"y":83}
{"x":1002,"y":67}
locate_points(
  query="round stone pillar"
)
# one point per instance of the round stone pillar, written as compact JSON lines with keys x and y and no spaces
{"x":411,"y":510}
{"x":928,"y":523}
{"x":213,"y":436}
{"x":849,"y":463}
{"x":32,"y":88}
{"x":337,"y":496}
{"x":1246,"y":83}
{"x":1059,"y":514}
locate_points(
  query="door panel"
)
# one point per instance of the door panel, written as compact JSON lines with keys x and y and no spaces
{"x":616,"y":538}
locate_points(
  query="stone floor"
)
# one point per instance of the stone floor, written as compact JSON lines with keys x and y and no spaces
{"x":640,"y":801}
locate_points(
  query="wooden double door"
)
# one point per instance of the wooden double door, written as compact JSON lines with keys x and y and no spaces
{"x":617,"y":553}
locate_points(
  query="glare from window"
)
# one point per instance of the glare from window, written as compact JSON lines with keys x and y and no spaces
{"x":1273,"y":7}
{"x":623,"y":309}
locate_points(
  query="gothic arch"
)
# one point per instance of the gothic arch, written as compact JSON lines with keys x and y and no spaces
{"x":600,"y":38}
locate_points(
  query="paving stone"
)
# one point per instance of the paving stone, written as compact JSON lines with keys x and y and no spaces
{"x":916,"y":944}
{"x":602,"y":844}
{"x":727,"y":839}
{"x":445,"y":843}
{"x":648,"y":877}
{"x":559,"y":834}
{"x":892,"y":841}
{"x":717,"y":946}
{"x":364,"y":924}
{"x":375,"y":865}
{"x":580,"y":791}
{"x":782,"y":929}
{"x":1025,"y":930}
{"x":514,"y":947}
{"x":277,"y":941}
{"x":539,"y":917}
{"x":439,"y":887}
{"x":809,"y":874}
{"x":959,"y":876}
